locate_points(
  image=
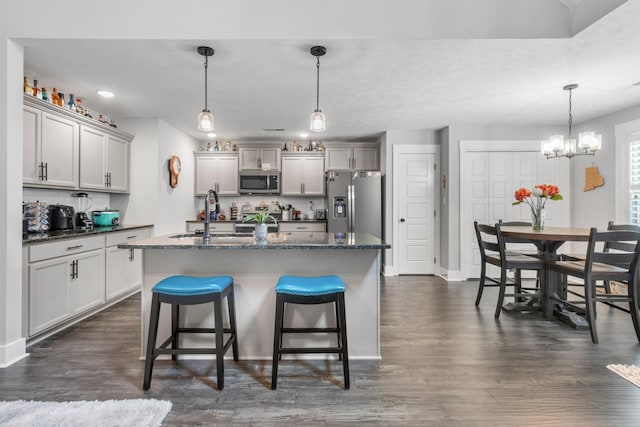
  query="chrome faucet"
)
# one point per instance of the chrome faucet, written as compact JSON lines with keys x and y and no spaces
{"x":207,"y":201}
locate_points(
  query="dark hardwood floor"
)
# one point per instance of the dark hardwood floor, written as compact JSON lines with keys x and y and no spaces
{"x":444,"y":362}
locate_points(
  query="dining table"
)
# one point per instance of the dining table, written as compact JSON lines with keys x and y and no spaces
{"x":548,"y":241}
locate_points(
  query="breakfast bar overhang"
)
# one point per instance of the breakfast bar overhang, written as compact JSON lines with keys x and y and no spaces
{"x":256,"y":267}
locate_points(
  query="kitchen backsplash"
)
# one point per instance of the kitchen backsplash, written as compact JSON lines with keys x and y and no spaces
{"x":299,"y":203}
{"x":64,"y":197}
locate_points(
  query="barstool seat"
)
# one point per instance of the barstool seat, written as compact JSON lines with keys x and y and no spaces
{"x":310,"y":290}
{"x":191,"y":290}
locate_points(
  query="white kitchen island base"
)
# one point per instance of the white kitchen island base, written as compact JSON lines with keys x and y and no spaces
{"x":255,"y":273}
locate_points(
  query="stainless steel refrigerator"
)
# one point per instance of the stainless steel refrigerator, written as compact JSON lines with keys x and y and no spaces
{"x":354,"y":202}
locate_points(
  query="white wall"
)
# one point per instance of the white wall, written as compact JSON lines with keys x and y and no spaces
{"x":584,"y":213}
{"x":140,"y":206}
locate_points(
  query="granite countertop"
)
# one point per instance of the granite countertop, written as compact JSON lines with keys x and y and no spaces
{"x":274,"y":241}
{"x":51,"y":236}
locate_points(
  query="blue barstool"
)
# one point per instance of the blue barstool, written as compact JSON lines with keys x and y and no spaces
{"x":189,"y":290}
{"x":310,"y":290}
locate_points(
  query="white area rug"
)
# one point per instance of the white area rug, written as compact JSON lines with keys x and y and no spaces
{"x":630,"y":373}
{"x":137,"y":412}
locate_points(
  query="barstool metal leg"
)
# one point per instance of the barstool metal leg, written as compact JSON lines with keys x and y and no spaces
{"x":217,"y":306}
{"x":175,"y":324}
{"x":277,"y":340}
{"x":151,"y":341}
{"x":343,"y":334}
{"x":231,"y":303}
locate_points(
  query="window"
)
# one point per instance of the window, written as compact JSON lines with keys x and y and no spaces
{"x":628,"y":173}
{"x":634,"y":182}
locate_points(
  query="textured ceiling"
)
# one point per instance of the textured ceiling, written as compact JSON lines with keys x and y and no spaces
{"x":366,"y":86}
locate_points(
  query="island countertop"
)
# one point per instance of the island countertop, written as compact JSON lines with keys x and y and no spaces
{"x":273,"y":241}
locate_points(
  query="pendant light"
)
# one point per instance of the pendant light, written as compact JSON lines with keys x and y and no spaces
{"x":205,"y":118}
{"x":318,"y":122}
{"x":557,"y":146}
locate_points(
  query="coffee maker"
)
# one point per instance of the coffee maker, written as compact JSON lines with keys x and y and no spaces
{"x":83,"y":204}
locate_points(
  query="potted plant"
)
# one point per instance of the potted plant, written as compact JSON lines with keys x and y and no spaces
{"x":261,"y":219}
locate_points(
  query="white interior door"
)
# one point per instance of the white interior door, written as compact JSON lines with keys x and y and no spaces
{"x":416,"y":212}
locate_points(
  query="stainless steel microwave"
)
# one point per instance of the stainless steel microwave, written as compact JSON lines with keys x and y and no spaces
{"x":259,"y":182}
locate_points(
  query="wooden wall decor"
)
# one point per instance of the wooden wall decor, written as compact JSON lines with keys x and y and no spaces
{"x":592,"y":178}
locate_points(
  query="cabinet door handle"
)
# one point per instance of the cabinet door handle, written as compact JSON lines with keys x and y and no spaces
{"x":72,"y":248}
{"x":77,"y":268}
{"x":132,"y":237}
{"x":74,"y":269}
{"x":301,"y":228}
{"x":259,"y":162}
{"x":106,"y":179}
{"x":131,"y":254}
{"x":46,"y":171}
{"x":109,"y":173}
{"x":354,"y":163}
{"x":41,"y":174}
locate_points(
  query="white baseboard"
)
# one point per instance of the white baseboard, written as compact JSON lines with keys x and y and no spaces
{"x":389,"y":271}
{"x":13,"y":352}
{"x":452,"y":275}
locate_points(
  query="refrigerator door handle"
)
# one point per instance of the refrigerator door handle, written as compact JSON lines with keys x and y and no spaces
{"x":351,"y":207}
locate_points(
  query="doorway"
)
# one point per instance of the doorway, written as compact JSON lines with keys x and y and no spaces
{"x":414,"y":209}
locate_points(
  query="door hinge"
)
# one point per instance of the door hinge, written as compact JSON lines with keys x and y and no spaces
{"x":434,"y":214}
{"x":434,"y":260}
{"x":435,"y":166}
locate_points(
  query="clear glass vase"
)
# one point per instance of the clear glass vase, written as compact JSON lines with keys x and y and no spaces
{"x":537,"y":218}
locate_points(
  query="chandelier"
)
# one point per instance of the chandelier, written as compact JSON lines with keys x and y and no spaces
{"x":558,"y":146}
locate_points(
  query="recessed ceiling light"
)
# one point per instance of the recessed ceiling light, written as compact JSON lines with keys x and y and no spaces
{"x":211,"y":135}
{"x":105,"y":93}
{"x":303,"y":135}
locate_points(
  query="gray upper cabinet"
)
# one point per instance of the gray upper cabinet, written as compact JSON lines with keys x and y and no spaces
{"x":252,"y":158}
{"x":50,"y":149}
{"x":104,"y":161}
{"x":62,"y":149}
{"x":217,"y":172}
{"x":352,"y":157}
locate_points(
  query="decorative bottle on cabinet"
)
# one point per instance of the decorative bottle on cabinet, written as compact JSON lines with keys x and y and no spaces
{"x":71,"y":105}
{"x":27,"y":87}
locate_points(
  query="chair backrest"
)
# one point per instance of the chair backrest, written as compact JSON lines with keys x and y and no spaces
{"x":489,"y":239}
{"x":620,"y":246}
{"x":626,"y":242}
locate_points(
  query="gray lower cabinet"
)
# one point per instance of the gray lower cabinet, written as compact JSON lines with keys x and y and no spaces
{"x":124,"y":266}
{"x":65,"y":278}
{"x":73,"y":277}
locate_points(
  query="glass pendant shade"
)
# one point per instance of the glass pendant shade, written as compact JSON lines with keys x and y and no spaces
{"x":589,"y":141}
{"x":318,"y":121}
{"x":205,"y":121}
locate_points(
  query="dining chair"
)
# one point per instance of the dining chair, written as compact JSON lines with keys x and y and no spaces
{"x":603,"y":264}
{"x":493,"y":252}
{"x":617,"y":246}
{"x":528,"y":250}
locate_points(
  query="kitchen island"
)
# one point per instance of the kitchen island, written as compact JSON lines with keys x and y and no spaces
{"x":256,"y":267}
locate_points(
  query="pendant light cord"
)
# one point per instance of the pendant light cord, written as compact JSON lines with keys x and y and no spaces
{"x":318,"y":84}
{"x":206,"y":66}
{"x":570,"y":113}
